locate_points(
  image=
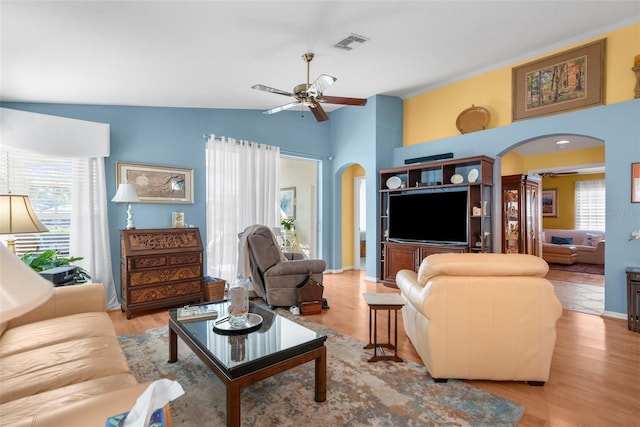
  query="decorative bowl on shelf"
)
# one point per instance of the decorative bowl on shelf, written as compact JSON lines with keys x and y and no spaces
{"x":473,"y":175}
{"x":457,"y":179}
{"x":394,"y":182}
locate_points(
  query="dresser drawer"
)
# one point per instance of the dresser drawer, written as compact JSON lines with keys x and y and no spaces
{"x":162,"y":275}
{"x":634,"y":277}
{"x":164,"y":260}
{"x":138,"y":263}
{"x":185,"y":258}
{"x":160,"y":292}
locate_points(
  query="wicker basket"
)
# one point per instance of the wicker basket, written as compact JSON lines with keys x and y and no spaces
{"x":214,"y":289}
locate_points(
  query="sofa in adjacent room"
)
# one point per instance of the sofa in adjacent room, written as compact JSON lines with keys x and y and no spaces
{"x":481,"y":316}
{"x":61,"y":363}
{"x":588,"y":246}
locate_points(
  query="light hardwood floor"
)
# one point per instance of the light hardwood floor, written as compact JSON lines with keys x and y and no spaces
{"x":595,"y":373}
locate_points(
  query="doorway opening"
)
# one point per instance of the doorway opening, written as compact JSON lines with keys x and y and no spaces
{"x":360,"y":223}
{"x":299,"y":177}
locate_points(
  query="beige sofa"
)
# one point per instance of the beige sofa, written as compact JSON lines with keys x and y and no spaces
{"x":481,"y":316}
{"x":589,"y":245}
{"x":62,"y":365}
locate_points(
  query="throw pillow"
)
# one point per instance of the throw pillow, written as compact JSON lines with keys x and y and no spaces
{"x":562,"y":240}
{"x":593,"y":239}
{"x":544,"y":237}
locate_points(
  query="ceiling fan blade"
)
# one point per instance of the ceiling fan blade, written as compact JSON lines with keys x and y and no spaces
{"x":321,"y":83}
{"x":271,"y":90}
{"x":318,"y":112}
{"x":342,"y":100}
{"x":283,"y":107}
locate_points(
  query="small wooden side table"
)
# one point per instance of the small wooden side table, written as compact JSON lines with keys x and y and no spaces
{"x":389,"y":302}
{"x":633,"y":298}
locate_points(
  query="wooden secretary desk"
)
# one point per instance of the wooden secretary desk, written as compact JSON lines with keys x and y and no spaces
{"x":160,"y":268}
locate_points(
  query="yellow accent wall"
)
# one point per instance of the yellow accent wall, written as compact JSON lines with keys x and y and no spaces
{"x":348,"y":224}
{"x":432,"y":115}
{"x":561,"y":158}
{"x":514,"y":163}
{"x":566,"y":199}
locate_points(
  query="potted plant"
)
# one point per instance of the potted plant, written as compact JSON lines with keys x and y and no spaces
{"x":50,"y":259}
{"x":287,"y":223}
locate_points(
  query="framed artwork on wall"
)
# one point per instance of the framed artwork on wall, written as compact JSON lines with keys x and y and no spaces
{"x":288,"y":201}
{"x":558,"y":83}
{"x":550,"y":202}
{"x":157,"y":184}
{"x":635,"y":182}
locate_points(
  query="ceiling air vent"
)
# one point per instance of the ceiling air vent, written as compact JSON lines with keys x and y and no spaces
{"x":344,"y":43}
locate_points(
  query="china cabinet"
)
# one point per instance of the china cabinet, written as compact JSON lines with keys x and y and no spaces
{"x":521,"y":215}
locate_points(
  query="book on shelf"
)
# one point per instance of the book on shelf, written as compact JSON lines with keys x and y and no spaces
{"x":196,"y":312}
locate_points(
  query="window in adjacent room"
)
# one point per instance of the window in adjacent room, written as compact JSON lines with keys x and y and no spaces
{"x":47,"y":181}
{"x":590,"y":205}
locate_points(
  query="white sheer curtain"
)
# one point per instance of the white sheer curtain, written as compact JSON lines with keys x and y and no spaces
{"x":87,"y":143}
{"x":243,"y":187}
{"x":90,"y":225}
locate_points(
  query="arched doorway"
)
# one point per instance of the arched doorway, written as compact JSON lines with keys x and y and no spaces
{"x":567,"y":164}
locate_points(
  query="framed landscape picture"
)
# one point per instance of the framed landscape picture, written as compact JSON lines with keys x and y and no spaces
{"x":566,"y":81}
{"x":157,"y":184}
{"x":550,"y":202}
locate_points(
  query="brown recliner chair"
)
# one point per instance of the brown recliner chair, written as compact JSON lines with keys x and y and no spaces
{"x":275,"y":275}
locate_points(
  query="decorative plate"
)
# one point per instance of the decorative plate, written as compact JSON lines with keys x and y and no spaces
{"x":473,"y":175}
{"x":473,"y":119}
{"x":394,"y":182}
{"x":457,"y":179}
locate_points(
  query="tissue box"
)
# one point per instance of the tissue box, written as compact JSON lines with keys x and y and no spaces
{"x":160,"y":418}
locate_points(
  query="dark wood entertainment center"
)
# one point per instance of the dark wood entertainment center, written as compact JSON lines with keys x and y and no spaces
{"x":438,"y":176}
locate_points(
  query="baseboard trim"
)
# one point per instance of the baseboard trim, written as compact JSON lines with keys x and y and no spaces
{"x":370,"y":279}
{"x":615,"y":315}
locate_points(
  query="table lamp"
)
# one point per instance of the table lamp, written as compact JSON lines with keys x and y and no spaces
{"x":17,"y":217}
{"x":21,"y":288}
{"x":127,"y":194}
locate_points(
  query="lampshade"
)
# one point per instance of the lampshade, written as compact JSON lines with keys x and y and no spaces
{"x":21,"y":288}
{"x":126,"y":194}
{"x":17,"y":216}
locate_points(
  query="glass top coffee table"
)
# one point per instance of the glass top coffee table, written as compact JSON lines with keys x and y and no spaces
{"x":240,"y":358}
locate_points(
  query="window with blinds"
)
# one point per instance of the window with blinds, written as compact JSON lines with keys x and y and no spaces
{"x":590,"y":205}
{"x":47,"y":182}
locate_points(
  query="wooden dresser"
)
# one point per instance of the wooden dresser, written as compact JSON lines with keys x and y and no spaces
{"x":160,"y":268}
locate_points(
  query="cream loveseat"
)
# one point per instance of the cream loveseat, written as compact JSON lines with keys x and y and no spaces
{"x":481,"y":316}
{"x":61,"y":364}
{"x":589,"y":246}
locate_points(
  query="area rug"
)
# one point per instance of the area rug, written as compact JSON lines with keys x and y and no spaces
{"x":358,"y":393}
{"x":579,"y":268}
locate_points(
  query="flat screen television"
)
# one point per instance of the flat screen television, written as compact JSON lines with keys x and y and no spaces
{"x":439,"y":217}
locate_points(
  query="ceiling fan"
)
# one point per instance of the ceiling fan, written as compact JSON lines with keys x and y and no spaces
{"x":554,"y":174}
{"x":311,"y":94}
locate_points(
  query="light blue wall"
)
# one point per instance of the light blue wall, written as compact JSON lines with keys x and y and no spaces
{"x":370,"y":136}
{"x":618,"y":125}
{"x":366,"y":136}
{"x":173,"y":137}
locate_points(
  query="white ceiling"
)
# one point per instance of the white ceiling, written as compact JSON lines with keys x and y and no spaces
{"x":210,"y":53}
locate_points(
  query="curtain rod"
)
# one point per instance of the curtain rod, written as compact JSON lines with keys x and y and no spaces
{"x":283,"y":152}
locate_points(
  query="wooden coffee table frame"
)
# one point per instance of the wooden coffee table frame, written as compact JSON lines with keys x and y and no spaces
{"x":267,"y":367}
